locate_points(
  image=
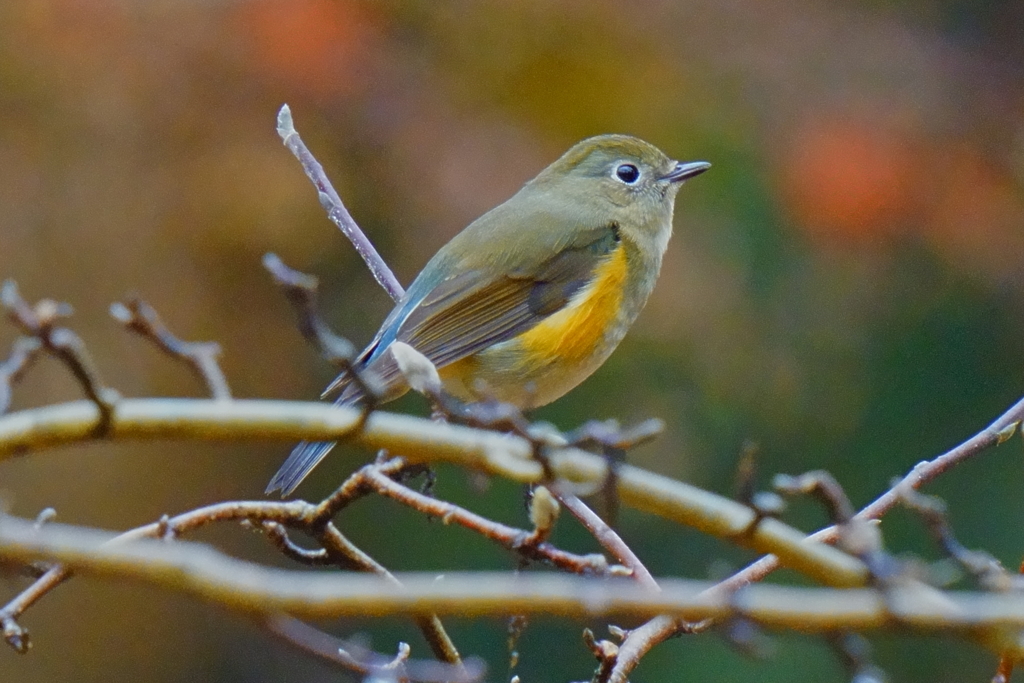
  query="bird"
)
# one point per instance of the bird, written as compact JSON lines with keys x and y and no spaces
{"x":532,"y":297}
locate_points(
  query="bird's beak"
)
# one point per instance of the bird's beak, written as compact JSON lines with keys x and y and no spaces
{"x":685,"y":171}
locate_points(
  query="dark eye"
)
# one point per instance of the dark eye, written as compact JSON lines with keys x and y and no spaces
{"x":628,"y":173}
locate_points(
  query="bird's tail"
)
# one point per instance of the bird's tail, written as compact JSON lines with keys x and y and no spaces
{"x":308,"y":454}
{"x":304,"y":457}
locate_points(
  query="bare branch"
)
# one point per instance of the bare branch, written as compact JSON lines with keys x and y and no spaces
{"x":423,"y":440}
{"x":823,"y":486}
{"x":40,"y":322}
{"x":1000,"y":430}
{"x":606,"y":653}
{"x":517,"y":540}
{"x":142,"y":319}
{"x":357,"y":658}
{"x":1004,"y":427}
{"x":300,"y":289}
{"x":855,"y":653}
{"x":608,"y":539}
{"x":23,"y":354}
{"x":335,"y":208}
{"x":278,"y":535}
{"x":199,"y":570}
{"x":979,"y":565}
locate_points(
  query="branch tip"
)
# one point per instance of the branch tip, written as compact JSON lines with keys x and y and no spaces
{"x":139,"y":317}
{"x":285,"y":126}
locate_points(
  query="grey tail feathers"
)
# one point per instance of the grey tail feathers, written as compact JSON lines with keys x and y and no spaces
{"x":308,"y":454}
{"x":304,"y":457}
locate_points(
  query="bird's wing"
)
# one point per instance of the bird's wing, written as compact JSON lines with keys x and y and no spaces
{"x":478,"y":308}
{"x":458,"y":317}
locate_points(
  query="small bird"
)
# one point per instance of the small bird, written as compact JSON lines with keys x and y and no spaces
{"x":532,"y":297}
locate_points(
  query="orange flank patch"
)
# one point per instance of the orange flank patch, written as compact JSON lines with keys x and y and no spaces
{"x":573,"y":333}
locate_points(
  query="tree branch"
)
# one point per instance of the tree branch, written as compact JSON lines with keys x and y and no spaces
{"x":201,"y":571}
{"x":335,"y":208}
{"x":422,"y":440}
{"x":356,"y":658}
{"x":640,"y":641}
{"x":139,"y":317}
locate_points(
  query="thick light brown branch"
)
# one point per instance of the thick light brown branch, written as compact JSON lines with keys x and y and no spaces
{"x":201,"y":571}
{"x":423,"y":440}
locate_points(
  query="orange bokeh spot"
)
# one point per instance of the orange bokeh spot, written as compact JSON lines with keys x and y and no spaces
{"x":849,"y":180}
{"x":313,"y":44}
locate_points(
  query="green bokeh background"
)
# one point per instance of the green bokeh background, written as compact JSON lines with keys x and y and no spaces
{"x":844,"y":287}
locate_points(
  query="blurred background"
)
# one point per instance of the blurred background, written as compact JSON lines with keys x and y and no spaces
{"x":844,"y":288}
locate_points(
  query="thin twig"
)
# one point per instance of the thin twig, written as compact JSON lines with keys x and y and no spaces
{"x":141,"y":318}
{"x":823,"y":486}
{"x":1004,"y":427}
{"x":335,"y":208}
{"x":979,"y":565}
{"x":855,"y":653}
{"x":23,"y":354}
{"x":510,"y":537}
{"x":300,"y":289}
{"x":354,"y":657}
{"x":352,"y":489}
{"x":345,"y":553}
{"x":277,"y":534}
{"x":40,"y":322}
{"x":608,"y":539}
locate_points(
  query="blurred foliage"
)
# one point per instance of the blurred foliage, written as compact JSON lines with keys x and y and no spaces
{"x":845,"y":286}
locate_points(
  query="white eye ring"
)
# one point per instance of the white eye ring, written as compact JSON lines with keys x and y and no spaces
{"x":627,"y":173}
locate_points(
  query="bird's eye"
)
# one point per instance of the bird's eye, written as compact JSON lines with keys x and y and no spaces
{"x":627,"y":173}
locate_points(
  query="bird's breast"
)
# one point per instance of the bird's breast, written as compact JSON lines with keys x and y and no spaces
{"x":573,"y":333}
{"x":561,"y":351}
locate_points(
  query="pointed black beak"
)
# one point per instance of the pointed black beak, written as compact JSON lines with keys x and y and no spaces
{"x":685,"y":171}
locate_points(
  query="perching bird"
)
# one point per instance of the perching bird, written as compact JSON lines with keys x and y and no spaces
{"x":532,"y":297}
